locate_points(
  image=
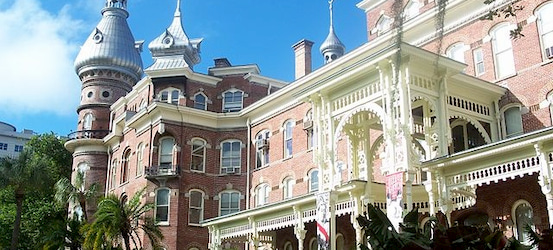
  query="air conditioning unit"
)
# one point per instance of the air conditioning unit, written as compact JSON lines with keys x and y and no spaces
{"x":229,"y":170}
{"x":307,"y":124}
{"x":549,"y":52}
{"x":262,"y":143}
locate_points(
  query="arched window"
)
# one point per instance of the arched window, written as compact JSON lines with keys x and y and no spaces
{"x":200,"y":101}
{"x":166,"y":145}
{"x":339,"y":241}
{"x":229,"y":202}
{"x":262,"y":194}
{"x":309,"y":128}
{"x":503,"y":51}
{"x":288,"y":187}
{"x":82,"y":168}
{"x":231,"y":157}
{"x":465,"y":136}
{"x":139,"y":159}
{"x":288,"y":246}
{"x":169,"y":95}
{"x":512,"y":121}
{"x":162,"y":205}
{"x":522,"y":214}
{"x":314,"y":180}
{"x":232,"y":100}
{"x":113,"y":173}
{"x":87,"y":121}
{"x":125,"y":166}
{"x":313,"y":244}
{"x":288,"y":138}
{"x":262,"y":148}
{"x":196,"y":207}
{"x":383,"y":24}
{"x":457,"y":52}
{"x":412,"y":9}
{"x":545,"y":29}
{"x":198,"y":155}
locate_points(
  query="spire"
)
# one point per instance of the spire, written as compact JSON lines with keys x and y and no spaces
{"x":173,"y":48}
{"x":111,"y":44}
{"x":332,"y":48}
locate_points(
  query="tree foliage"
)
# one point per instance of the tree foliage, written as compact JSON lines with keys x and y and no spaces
{"x":26,"y":193}
{"x":381,"y":234}
{"x":118,"y":221}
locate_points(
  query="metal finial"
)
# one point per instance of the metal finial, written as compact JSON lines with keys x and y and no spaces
{"x":330,"y":2}
{"x":177,"y":11}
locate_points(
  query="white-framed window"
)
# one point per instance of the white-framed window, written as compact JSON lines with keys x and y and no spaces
{"x":262,"y":148}
{"x":113,"y":174}
{"x":412,"y":9}
{"x":478,"y":57}
{"x":233,"y":100}
{"x":162,"y":205}
{"x":166,"y":145}
{"x":314,"y":180}
{"x":522,"y":215}
{"x":503,"y":51}
{"x":200,"y":101}
{"x":229,"y":202}
{"x":456,"y":52}
{"x":545,"y":29}
{"x":170,"y":95}
{"x":18,"y":148}
{"x":196,"y":207}
{"x":197,"y":163}
{"x":288,"y":138}
{"x":288,"y":187}
{"x":3,"y":146}
{"x":139,"y":158}
{"x":512,"y":121}
{"x":231,"y":157}
{"x":143,"y":105}
{"x":125,"y":166}
{"x":87,"y":121}
{"x":309,"y":128}
{"x":262,"y":194}
{"x":82,"y":168}
{"x":383,"y":24}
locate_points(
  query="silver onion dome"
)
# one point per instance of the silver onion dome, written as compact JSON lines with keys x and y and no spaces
{"x":173,"y":48}
{"x":332,"y":48}
{"x":111,"y":44}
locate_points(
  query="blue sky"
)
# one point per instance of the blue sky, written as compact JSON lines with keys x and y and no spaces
{"x":39,"y":40}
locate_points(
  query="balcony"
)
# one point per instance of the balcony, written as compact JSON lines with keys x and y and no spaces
{"x":162,"y":171}
{"x":88,"y":134}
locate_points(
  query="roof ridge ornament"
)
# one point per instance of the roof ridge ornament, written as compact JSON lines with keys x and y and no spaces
{"x":177,"y":11}
{"x":332,"y":48}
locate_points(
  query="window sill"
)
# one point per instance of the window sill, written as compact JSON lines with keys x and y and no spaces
{"x":163,"y":224}
{"x":499,"y":80}
{"x":287,"y":158}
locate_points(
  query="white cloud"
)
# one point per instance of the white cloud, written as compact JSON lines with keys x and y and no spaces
{"x":37,"y":49}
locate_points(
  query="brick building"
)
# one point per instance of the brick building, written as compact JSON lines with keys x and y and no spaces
{"x":457,"y":111}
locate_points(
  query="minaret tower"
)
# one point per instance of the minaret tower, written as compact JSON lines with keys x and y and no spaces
{"x":332,"y":48}
{"x":108,"y":66}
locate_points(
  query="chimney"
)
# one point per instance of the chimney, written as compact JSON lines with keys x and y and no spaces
{"x":302,"y":52}
{"x":222,"y":62}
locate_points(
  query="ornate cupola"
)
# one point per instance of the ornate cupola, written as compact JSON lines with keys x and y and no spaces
{"x":111,"y":44}
{"x":332,"y":48}
{"x":173,"y":49}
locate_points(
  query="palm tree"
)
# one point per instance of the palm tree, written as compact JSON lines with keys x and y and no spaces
{"x":76,"y":194}
{"x":22,"y":175}
{"x":119,"y":219}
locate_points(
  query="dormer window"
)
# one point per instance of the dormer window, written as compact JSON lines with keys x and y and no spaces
{"x":170,"y":95}
{"x":232,"y":100}
{"x":200,"y":101}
